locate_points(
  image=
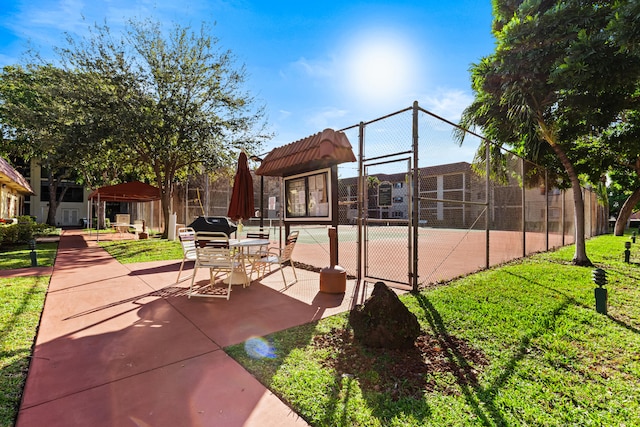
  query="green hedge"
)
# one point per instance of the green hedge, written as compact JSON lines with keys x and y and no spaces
{"x":25,"y":230}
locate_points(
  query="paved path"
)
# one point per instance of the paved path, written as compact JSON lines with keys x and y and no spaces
{"x":122,"y":345}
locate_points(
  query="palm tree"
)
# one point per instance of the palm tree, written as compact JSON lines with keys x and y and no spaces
{"x":555,"y":76}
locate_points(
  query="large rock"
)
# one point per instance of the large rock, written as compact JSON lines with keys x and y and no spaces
{"x":383,"y":321}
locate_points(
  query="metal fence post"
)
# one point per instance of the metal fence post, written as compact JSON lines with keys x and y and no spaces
{"x":361,"y":199}
{"x":524,"y":210}
{"x":415,"y":193}
{"x":546,"y":209}
{"x":487,"y":223}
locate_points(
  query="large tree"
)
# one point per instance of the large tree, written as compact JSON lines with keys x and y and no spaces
{"x":173,"y":102}
{"x":623,"y":143}
{"x":624,"y":139}
{"x":40,"y":122}
{"x":557,"y":74}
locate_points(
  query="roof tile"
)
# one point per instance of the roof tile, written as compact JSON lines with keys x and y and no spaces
{"x":321,"y":150}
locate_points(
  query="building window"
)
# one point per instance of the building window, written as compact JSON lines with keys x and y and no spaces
{"x":73,"y":194}
{"x":398,"y":199}
{"x":398,"y":184}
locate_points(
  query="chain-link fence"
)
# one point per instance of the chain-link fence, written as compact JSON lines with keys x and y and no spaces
{"x":203,"y":195}
{"x":418,"y":206}
{"x":472,"y":205}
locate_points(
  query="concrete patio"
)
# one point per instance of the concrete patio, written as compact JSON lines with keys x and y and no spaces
{"x":122,"y":345}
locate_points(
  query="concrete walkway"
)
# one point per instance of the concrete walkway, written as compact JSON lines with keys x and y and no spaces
{"x":122,"y":345}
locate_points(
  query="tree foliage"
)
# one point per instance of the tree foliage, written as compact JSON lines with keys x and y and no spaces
{"x":172,"y":104}
{"x":558,"y":74}
{"x":623,"y":144}
{"x":40,"y":121}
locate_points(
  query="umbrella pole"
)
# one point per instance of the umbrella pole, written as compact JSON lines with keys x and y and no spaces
{"x":261,"y":203}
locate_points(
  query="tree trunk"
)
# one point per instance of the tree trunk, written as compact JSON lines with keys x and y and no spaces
{"x":51,"y":213}
{"x":166,"y":194}
{"x":580,"y":254}
{"x":626,"y":211}
{"x":53,"y":201}
{"x":54,"y":198}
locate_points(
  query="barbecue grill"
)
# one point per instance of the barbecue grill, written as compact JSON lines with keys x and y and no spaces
{"x":214,"y":223}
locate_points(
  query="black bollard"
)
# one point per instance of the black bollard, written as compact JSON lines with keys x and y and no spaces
{"x":34,"y":256}
{"x":633,"y":237}
{"x":627,"y":252}
{"x":600,"y":279}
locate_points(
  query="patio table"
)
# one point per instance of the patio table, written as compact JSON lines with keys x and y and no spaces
{"x":242,"y":245}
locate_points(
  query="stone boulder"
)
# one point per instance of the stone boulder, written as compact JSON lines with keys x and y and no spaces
{"x":383,"y":321}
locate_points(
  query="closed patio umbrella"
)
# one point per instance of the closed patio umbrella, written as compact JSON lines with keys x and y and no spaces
{"x":241,"y":205}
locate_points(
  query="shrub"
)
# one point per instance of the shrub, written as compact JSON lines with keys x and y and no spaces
{"x":107,"y":222}
{"x":9,"y":234}
{"x":25,"y":230}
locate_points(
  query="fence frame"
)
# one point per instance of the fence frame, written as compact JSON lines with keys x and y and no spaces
{"x":415,"y":197}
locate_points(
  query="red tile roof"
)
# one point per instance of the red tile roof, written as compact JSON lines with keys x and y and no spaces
{"x":324,"y":149}
{"x":13,"y":179}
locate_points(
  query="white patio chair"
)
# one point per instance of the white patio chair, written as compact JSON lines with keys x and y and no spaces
{"x":213,"y":252}
{"x":187,"y":236}
{"x":280,"y":258}
{"x":254,"y":253}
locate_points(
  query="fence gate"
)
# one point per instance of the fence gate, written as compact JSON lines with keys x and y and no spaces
{"x":387,"y":220}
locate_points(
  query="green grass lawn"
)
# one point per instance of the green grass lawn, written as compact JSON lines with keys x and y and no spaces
{"x":21,"y":302}
{"x":19,"y":256}
{"x":517,"y":345}
{"x":130,"y":251}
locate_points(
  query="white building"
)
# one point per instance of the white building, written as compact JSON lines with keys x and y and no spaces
{"x":14,"y":188}
{"x":70,"y":211}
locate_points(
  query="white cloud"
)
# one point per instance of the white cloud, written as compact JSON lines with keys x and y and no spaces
{"x":65,"y":15}
{"x":327,"y":117}
{"x":315,"y":68}
{"x":284,"y":114}
{"x":44,"y":22}
{"x":447,"y":104}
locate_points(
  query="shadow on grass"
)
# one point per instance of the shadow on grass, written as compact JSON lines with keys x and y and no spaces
{"x":12,"y":383}
{"x":623,"y":324}
{"x":354,"y":375}
{"x":348,"y":400}
{"x":573,"y":301}
{"x":482,"y":398}
{"x":14,"y":374}
{"x":331,"y":396}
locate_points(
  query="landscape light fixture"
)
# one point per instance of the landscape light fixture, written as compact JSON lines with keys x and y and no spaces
{"x":627,"y":252}
{"x":34,"y":256}
{"x":600,"y":279}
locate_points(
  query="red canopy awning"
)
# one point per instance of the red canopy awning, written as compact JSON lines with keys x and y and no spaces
{"x":134,"y":191}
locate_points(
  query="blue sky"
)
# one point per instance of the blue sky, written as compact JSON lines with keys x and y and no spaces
{"x":312,"y":64}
